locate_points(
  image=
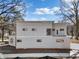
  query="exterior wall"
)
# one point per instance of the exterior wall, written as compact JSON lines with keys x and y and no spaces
{"x":58,"y":26}
{"x":46,"y":42}
{"x":40,"y":28}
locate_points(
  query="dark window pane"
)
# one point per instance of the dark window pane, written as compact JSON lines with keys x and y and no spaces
{"x":61,"y":29}
{"x":19,"y":40}
{"x":48,"y":31}
{"x":53,"y":29}
{"x":23,"y":29}
{"x":57,"y":32}
{"x":33,"y":29}
{"x":59,"y":40}
{"x":39,"y":40}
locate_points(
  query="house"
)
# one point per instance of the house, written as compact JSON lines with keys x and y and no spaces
{"x":38,"y":39}
{"x":40,"y":34}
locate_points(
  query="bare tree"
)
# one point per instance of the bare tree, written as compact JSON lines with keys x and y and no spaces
{"x":10,"y":11}
{"x":70,"y":12}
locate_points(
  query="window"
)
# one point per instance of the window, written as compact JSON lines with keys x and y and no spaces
{"x":61,"y":29}
{"x":39,"y":40}
{"x":19,"y":40}
{"x":23,"y":29}
{"x":62,"y":32}
{"x":48,"y":31}
{"x":57,"y":32}
{"x":53,"y":29}
{"x":60,"y":40}
{"x":33,"y":29}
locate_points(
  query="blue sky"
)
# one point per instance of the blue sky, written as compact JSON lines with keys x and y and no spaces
{"x":42,"y":10}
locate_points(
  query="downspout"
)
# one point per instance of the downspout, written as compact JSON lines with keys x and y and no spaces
{"x":15,"y":34}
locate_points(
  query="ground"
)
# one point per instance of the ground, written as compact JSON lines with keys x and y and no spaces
{"x":74,"y":41}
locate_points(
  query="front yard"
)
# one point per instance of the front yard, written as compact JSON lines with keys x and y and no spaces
{"x":74,"y":41}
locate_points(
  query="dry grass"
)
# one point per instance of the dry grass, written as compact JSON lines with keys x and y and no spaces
{"x":74,"y":41}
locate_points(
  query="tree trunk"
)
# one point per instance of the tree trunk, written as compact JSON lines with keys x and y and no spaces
{"x":2,"y":34}
{"x":77,"y":31}
{"x":76,"y":18}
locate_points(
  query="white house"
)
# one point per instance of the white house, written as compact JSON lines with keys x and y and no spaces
{"x":38,"y":39}
{"x":40,"y":34}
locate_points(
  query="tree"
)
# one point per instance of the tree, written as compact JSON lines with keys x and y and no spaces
{"x":70,"y":12}
{"x":10,"y":11}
